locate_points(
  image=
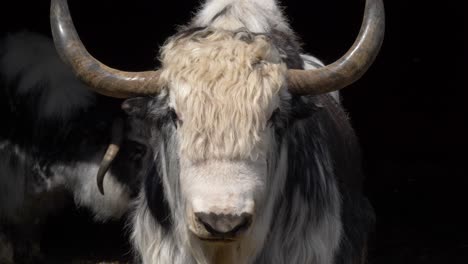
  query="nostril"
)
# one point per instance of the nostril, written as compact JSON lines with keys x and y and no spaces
{"x":224,"y":225}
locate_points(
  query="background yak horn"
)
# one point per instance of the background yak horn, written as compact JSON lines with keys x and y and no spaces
{"x":352,"y":65}
{"x":101,"y":78}
{"x":111,"y":153}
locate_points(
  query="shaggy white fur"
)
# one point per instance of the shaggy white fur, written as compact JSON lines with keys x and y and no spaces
{"x":304,"y":241}
{"x":224,"y":90}
{"x":257,"y":16}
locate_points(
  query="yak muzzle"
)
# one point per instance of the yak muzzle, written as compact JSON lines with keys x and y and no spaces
{"x":223,"y":227}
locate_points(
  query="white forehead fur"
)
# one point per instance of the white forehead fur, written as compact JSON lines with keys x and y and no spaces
{"x":224,"y":87}
{"x":257,"y":15}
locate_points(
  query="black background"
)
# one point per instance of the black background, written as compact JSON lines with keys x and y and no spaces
{"x":409,"y":110}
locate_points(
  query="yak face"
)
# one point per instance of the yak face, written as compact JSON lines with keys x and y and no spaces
{"x":223,"y":89}
{"x":215,"y":123}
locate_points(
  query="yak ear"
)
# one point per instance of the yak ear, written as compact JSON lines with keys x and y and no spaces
{"x":136,"y":106}
{"x":304,"y":107}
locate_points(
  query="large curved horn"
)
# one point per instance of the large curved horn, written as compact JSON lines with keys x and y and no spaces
{"x":352,"y":65}
{"x":101,"y":78}
{"x":111,"y":153}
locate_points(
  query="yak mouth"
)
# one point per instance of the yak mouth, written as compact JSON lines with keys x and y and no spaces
{"x":222,"y":240}
{"x":215,"y":239}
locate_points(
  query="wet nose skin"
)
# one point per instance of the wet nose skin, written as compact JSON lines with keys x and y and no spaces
{"x":224,"y":226}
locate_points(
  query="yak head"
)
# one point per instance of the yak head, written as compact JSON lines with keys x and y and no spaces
{"x":215,"y":123}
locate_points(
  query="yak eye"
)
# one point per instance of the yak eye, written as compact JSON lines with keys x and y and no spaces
{"x":274,"y":115}
{"x":174,"y":118}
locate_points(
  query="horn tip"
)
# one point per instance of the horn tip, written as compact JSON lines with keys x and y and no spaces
{"x":100,"y":182}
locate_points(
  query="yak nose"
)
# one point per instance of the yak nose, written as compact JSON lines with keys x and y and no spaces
{"x":224,"y":225}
